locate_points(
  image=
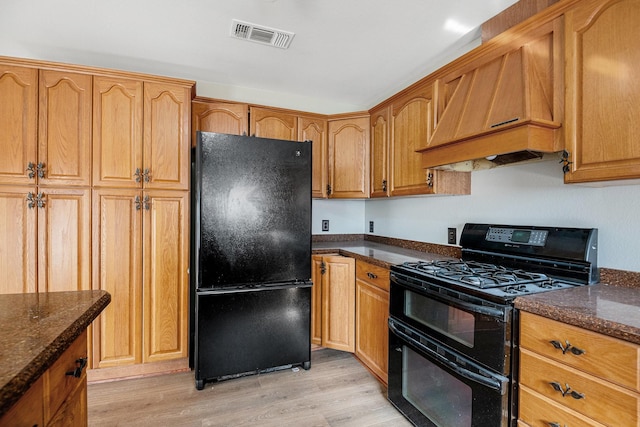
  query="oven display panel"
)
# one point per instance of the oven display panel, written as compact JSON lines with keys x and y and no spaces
{"x":512,"y":235}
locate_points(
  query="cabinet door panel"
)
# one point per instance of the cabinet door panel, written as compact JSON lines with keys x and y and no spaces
{"x":17,"y":241}
{"x":117,"y":268}
{"x":380,"y":153}
{"x":315,"y":130}
{"x":166,"y":260}
{"x":117,"y":132}
{"x":64,"y":138}
{"x":167,"y":115}
{"x":349,"y":158}
{"x":372,"y":333}
{"x":412,"y":123}
{"x":338,"y":299}
{"x":273,"y":124}
{"x":219,"y":117}
{"x":603,"y":91}
{"x":316,"y":299}
{"x":64,"y":249}
{"x":18,"y":123}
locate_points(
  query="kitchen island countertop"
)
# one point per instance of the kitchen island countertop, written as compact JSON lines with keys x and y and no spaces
{"x":36,"y":329}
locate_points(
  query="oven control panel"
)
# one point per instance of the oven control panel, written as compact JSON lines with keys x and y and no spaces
{"x":517,"y":236}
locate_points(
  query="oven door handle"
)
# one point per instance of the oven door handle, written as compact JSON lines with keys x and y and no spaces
{"x":493,"y":383}
{"x":475,"y":308}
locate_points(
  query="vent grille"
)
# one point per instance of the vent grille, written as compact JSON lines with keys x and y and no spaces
{"x":261,"y":34}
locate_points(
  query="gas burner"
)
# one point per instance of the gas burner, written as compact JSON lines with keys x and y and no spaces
{"x":517,"y":289}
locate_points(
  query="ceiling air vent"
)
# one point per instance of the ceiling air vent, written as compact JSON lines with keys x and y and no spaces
{"x":261,"y":34}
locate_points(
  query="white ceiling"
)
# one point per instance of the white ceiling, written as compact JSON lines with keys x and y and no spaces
{"x":347,"y":54}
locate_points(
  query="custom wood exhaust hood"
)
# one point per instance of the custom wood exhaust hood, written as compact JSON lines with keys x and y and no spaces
{"x":504,"y":106}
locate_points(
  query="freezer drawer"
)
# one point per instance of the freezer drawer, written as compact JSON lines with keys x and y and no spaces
{"x":240,"y":332}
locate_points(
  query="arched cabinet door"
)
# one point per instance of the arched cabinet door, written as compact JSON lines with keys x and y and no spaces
{"x":603,"y":91}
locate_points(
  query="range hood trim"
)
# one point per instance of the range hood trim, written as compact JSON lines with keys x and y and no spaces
{"x":531,"y":135}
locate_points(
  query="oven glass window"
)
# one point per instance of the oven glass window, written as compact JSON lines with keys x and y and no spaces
{"x":441,"y":397}
{"x":448,"y":320}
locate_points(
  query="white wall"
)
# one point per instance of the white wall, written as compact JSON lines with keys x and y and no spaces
{"x":527,"y":194}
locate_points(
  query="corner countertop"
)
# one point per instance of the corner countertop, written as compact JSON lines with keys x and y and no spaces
{"x":36,"y":329}
{"x":607,"y":309}
{"x":383,"y":255}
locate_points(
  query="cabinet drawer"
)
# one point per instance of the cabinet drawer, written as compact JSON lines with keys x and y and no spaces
{"x":603,"y":356}
{"x":59,"y":385}
{"x":539,"y":411}
{"x":604,"y":402}
{"x":378,"y":276}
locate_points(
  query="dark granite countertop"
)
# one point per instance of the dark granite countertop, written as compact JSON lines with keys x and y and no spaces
{"x":381,"y":254}
{"x":36,"y":329}
{"x":610,"y":310}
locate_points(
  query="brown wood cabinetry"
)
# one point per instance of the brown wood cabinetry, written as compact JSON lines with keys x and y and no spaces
{"x":141,"y":259}
{"x":271,"y":123}
{"x":98,"y":176}
{"x":314,"y":129}
{"x":56,"y":398}
{"x":349,"y":157}
{"x":333,"y":302}
{"x":603,"y":92}
{"x":571,"y":376}
{"x":372,"y":312}
{"x":412,"y":122}
{"x":220,"y":117}
{"x":380,"y":135}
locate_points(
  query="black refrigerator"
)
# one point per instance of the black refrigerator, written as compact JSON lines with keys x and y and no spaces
{"x":250,"y":256}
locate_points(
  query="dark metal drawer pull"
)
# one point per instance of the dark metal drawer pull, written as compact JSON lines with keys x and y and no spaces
{"x":554,"y":424}
{"x":80,"y":365}
{"x":566,"y":391}
{"x":575,"y":350}
{"x":371,"y":275}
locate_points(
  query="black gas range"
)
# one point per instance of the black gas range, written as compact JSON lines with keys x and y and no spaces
{"x":502,"y":262}
{"x":453,"y":328}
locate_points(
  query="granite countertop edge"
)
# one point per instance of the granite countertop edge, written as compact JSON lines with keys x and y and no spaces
{"x":15,"y":388}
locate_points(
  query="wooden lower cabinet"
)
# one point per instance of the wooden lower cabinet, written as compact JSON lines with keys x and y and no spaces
{"x":372,"y":312}
{"x":55,"y":399}
{"x":141,"y":258}
{"x":333,"y":302}
{"x":574,"y":377}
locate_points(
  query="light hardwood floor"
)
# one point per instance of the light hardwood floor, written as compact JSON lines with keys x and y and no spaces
{"x":336,"y":391}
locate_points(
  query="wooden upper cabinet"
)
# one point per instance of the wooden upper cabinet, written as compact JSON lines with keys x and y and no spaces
{"x":412,"y":123}
{"x":64,"y":128}
{"x":166,"y":136}
{"x":603,"y":91}
{"x":18,"y":123}
{"x":315,"y":130}
{"x":220,"y":117}
{"x":117,"y":131}
{"x":266,"y":123}
{"x":18,"y":241}
{"x":380,"y":134}
{"x":349,"y":157}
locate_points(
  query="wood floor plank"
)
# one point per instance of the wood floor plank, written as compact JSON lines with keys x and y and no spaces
{"x":336,"y":392}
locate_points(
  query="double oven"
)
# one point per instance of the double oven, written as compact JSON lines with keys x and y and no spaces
{"x":453,"y":328}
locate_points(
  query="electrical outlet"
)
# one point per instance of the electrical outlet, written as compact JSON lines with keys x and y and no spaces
{"x":370,"y":226}
{"x":325,"y":225}
{"x":451,"y":236}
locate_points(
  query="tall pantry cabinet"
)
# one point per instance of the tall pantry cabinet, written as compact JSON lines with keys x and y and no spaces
{"x":94,"y":190}
{"x":45,"y":139}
